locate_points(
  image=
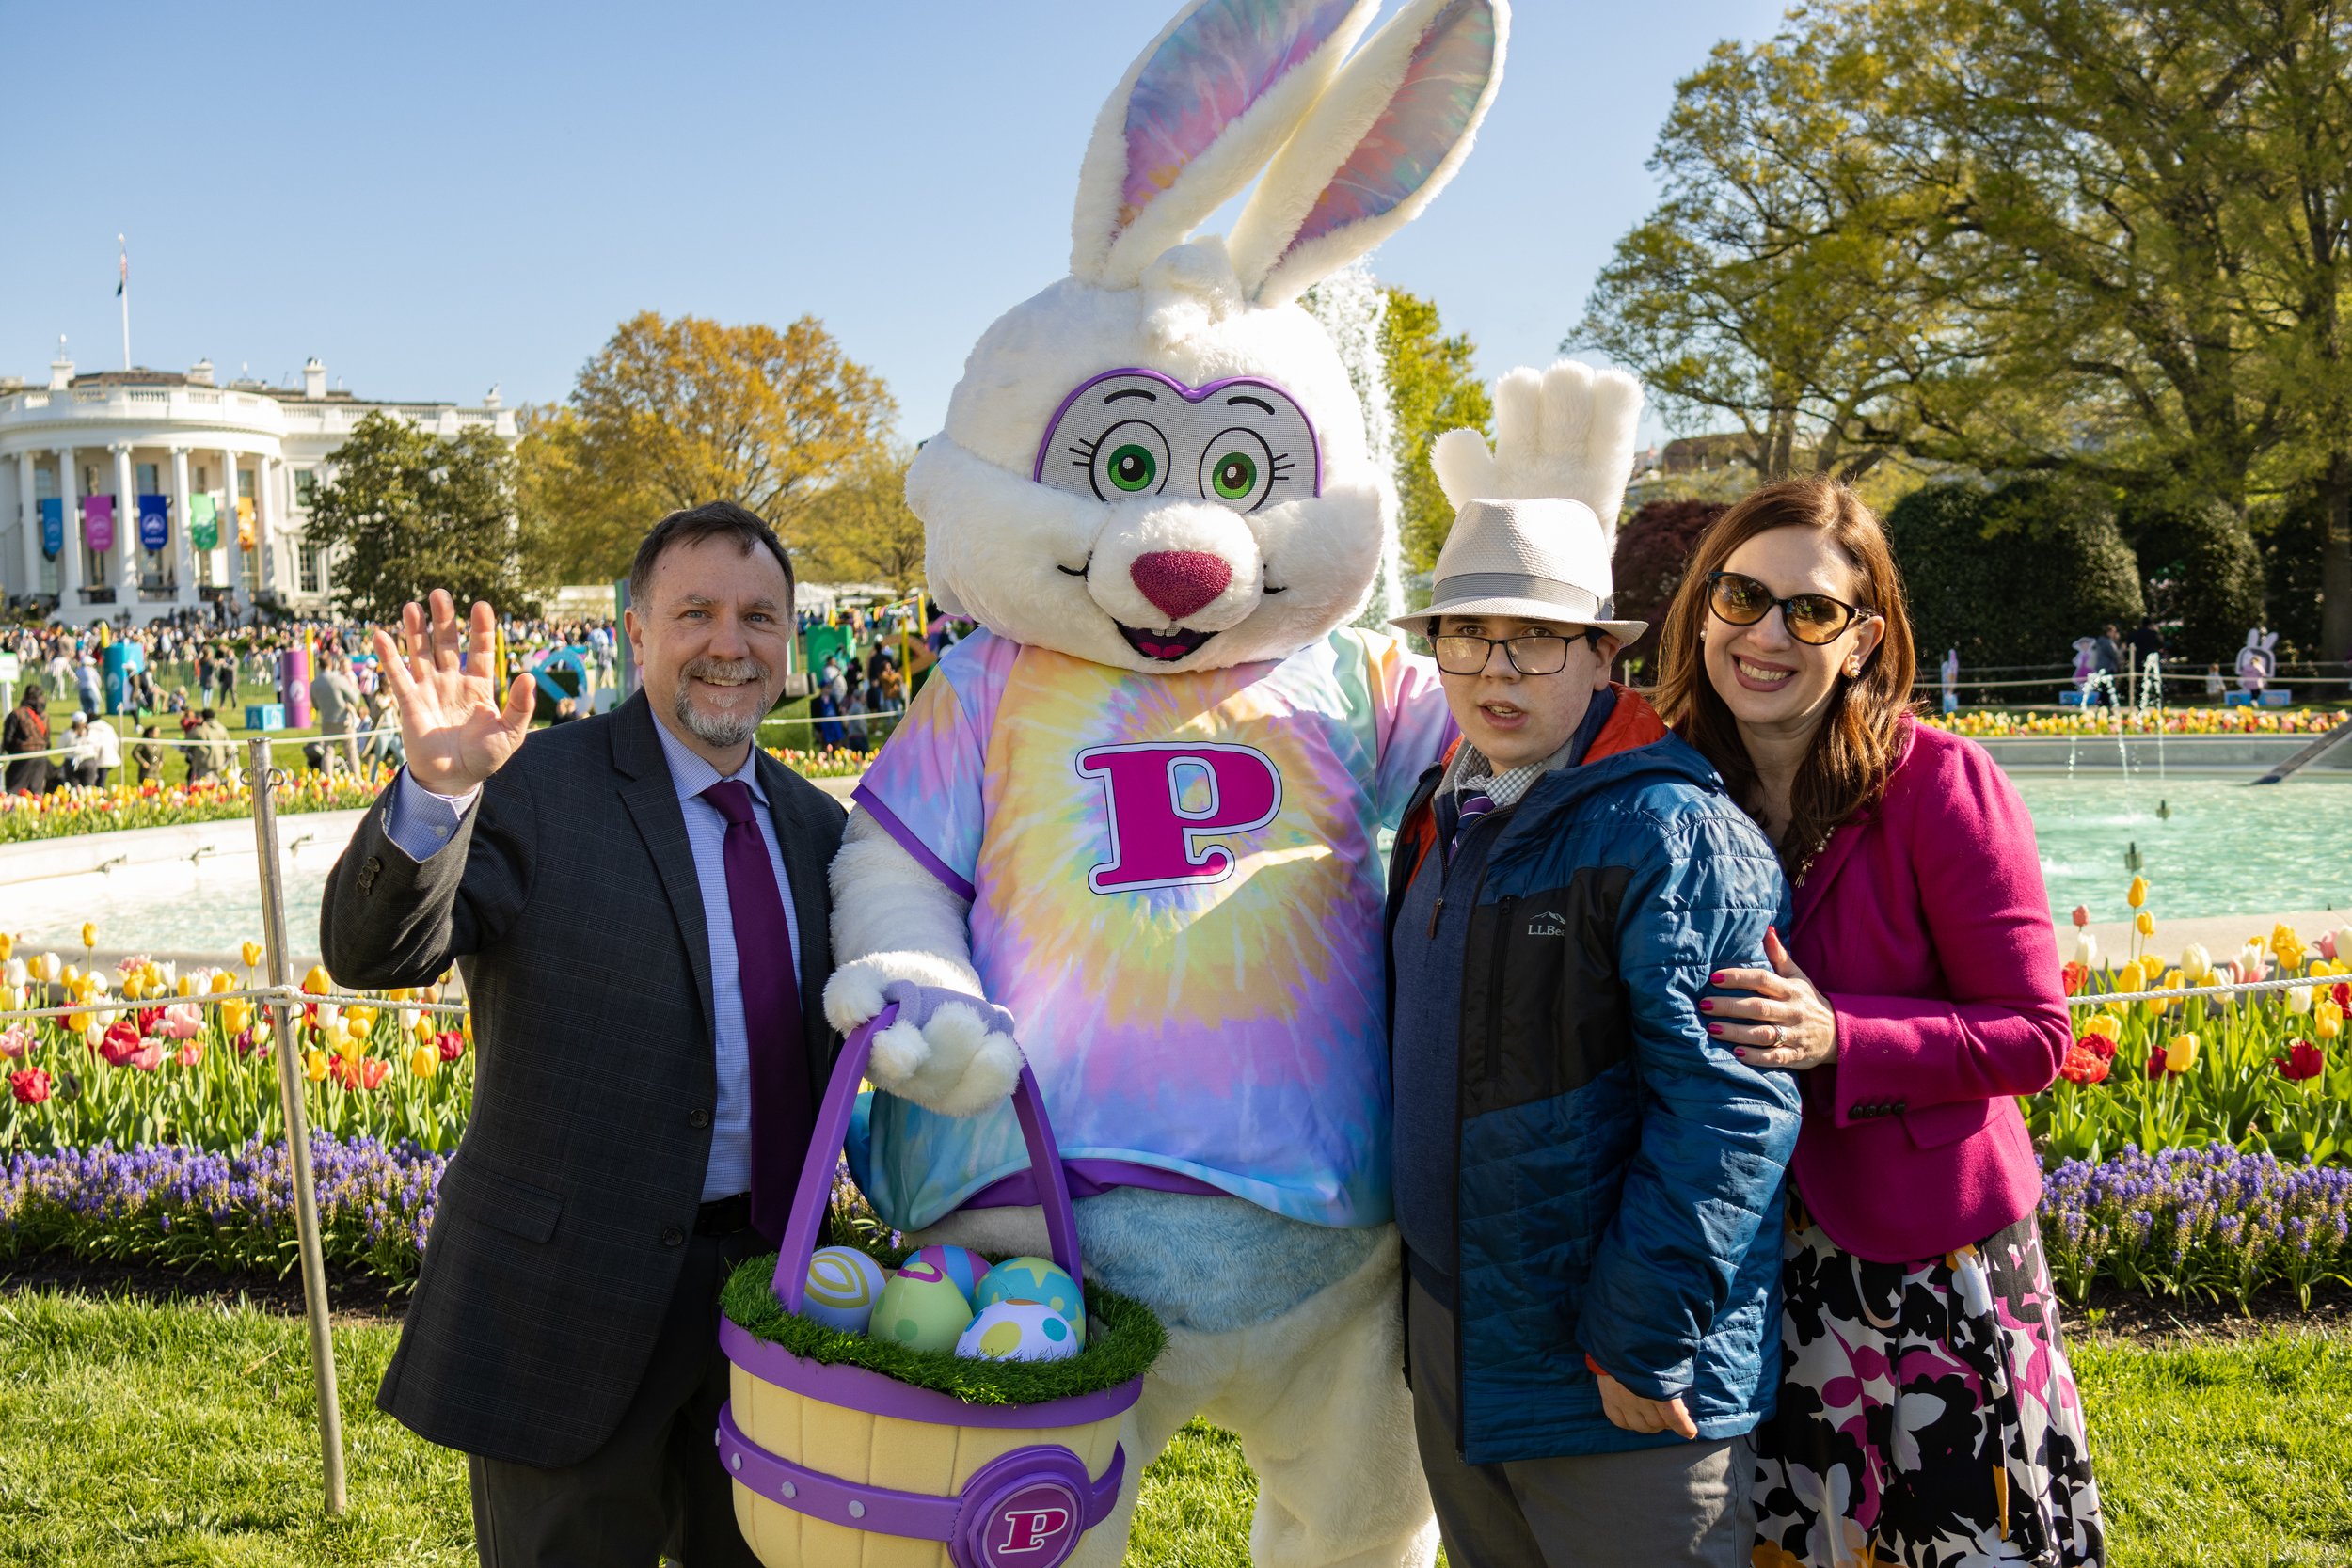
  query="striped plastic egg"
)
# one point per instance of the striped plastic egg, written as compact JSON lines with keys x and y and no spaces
{"x":843,"y":1286}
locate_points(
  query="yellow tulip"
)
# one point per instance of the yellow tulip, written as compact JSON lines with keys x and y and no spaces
{"x":2145,"y":923}
{"x":186,"y":985}
{"x":9,"y":1000}
{"x":2137,"y":893}
{"x":252,"y":953}
{"x":2130,"y":977}
{"x":2104,"y":1025}
{"x":234,"y":1016}
{"x":8,"y":947}
{"x":424,"y":1062}
{"x":398,"y":994}
{"x":90,"y":933}
{"x":316,"y":982}
{"x":79,"y":1022}
{"x":132,"y":987}
{"x":2284,"y":943}
{"x":314,"y":1065}
{"x":2327,"y":1019}
{"x":361,"y":1020}
{"x":423,"y":1027}
{"x":223,"y":980}
{"x":72,"y":976}
{"x":2181,"y":1055}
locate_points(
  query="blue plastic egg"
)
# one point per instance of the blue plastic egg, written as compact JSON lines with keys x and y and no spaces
{"x":962,"y":1264}
{"x":1034,"y":1279}
{"x":921,"y":1307}
{"x":843,"y":1286}
{"x":1019,"y":1331}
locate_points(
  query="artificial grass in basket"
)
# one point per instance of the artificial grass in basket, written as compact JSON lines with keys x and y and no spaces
{"x":1123,"y":1340}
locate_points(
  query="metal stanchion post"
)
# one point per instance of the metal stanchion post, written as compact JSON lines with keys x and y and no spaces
{"x":297,"y":1127}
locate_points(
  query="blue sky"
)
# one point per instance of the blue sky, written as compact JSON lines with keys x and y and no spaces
{"x":432,"y":198}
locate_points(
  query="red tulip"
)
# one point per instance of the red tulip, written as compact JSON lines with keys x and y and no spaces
{"x":2343,"y":993}
{"x":2303,"y":1060}
{"x":31,"y":1086}
{"x":2076,"y":974}
{"x":2083,"y":1064}
{"x":453,"y":1044}
{"x":2155,"y":1063}
{"x":121,"y":1042}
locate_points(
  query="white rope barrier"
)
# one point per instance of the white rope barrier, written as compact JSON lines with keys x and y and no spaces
{"x":293,"y":996}
{"x":2313,"y":982}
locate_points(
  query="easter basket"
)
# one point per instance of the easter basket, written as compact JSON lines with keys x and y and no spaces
{"x":843,"y":1465}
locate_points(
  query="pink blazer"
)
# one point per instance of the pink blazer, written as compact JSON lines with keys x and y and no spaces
{"x":1925,"y":924}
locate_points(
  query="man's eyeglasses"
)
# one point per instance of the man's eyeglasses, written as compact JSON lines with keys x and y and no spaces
{"x":1533,"y":654}
{"x":1814,"y":617}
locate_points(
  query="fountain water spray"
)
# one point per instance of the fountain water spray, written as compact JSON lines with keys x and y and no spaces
{"x":1353,"y":309}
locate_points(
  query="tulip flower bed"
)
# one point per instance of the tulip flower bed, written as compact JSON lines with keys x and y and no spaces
{"x":154,"y":1057}
{"x":821,"y":762}
{"x":2262,"y":1072}
{"x":99,"y":810}
{"x":1982,"y":723}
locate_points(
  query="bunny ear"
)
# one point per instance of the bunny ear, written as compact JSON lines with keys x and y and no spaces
{"x":1195,"y":118}
{"x":1378,"y":147}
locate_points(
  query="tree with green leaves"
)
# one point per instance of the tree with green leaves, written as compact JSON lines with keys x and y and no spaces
{"x":405,"y":510}
{"x":1432,"y":387}
{"x":1780,"y":282}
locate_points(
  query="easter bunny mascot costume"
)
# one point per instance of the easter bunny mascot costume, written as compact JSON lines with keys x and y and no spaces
{"x":1131,"y":823}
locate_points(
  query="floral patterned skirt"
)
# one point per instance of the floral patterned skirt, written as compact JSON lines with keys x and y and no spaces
{"x":1928,"y":1416}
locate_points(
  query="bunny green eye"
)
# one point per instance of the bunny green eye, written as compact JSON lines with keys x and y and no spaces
{"x":1131,"y":459}
{"x":1238,"y":468}
{"x":1132,"y":468}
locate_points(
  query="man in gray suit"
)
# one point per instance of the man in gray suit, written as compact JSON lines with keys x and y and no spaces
{"x":638,"y":904}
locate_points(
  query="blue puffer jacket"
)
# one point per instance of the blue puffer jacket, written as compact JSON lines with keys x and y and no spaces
{"x":1619,"y":1175}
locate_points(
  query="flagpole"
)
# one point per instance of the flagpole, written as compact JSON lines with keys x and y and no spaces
{"x":124,"y":291}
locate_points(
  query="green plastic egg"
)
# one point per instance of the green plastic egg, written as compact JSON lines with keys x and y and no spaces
{"x":927,"y":1313}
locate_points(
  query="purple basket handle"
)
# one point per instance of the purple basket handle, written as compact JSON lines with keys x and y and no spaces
{"x":832,"y":1130}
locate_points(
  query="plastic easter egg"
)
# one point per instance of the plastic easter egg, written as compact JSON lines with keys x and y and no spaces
{"x":962,"y":1264}
{"x":1019,"y":1331}
{"x":922,"y":1308}
{"x":1034,"y":1279}
{"x":843,"y":1286}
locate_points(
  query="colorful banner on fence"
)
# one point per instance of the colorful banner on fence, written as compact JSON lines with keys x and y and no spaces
{"x":244,"y":522}
{"x":154,"y":522}
{"x":53,"y":528}
{"x":203,"y":521}
{"x":98,"y":522}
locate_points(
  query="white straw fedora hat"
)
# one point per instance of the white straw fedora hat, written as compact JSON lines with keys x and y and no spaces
{"x":1544,"y":560}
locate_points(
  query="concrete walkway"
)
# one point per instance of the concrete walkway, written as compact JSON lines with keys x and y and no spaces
{"x":2220,"y":935}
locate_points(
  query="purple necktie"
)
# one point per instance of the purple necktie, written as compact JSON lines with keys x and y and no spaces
{"x":1470,"y":808}
{"x":780,"y":1115}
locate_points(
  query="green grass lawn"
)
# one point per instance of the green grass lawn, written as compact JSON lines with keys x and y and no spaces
{"x":139,"y":1435}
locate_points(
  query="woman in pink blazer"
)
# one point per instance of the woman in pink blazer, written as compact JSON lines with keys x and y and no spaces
{"x":1928,"y":1414}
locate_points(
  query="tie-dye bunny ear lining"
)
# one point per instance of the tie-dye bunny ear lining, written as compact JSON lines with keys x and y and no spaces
{"x":1224,"y":58}
{"x":1425,"y":120}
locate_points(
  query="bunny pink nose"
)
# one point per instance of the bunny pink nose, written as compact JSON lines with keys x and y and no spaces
{"x":1180,"y":581}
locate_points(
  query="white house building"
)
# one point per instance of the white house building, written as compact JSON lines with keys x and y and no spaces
{"x":152,"y":491}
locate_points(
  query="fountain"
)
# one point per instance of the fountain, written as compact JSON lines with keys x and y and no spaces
{"x":1352,"y":308}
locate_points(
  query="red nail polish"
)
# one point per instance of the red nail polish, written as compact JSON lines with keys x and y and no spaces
{"x":1716,"y":978}
{"x":1714,"y":1028}
{"x":1740,"y":1051}
{"x":1706,"y":1003}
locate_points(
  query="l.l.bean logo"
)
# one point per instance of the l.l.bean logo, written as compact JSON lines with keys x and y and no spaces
{"x":1164,"y":800}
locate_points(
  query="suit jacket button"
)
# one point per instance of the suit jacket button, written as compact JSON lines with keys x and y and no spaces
{"x":367,"y":873}
{"x":673,"y":1236}
{"x":698,"y":1117}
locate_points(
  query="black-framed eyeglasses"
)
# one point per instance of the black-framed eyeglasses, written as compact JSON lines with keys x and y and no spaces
{"x":1534,"y":653}
{"x":1814,"y":617}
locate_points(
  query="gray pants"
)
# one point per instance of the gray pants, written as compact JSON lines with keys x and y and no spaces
{"x":1654,"y":1508}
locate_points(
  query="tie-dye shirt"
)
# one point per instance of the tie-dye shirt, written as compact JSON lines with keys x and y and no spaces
{"x":1176,"y":889}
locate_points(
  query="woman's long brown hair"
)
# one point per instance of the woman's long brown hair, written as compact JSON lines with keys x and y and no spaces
{"x":1860,"y":734}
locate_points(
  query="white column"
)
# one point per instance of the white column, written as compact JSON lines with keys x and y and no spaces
{"x":70,"y":558}
{"x":126,"y":539}
{"x":183,"y":523}
{"x":266,"y":525}
{"x":229,"y":538}
{"x":30,"y":506}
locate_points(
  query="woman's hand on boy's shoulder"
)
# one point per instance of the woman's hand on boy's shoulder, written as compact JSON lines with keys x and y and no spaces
{"x":1627,"y":1409}
{"x":1787,"y":1024}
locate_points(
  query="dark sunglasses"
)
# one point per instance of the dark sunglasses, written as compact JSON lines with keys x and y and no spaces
{"x":1814,"y":617}
{"x":1534,"y":653}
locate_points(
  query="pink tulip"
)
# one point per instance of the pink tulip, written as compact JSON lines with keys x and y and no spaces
{"x":2082,"y":915}
{"x":16,"y":1040}
{"x":181,"y":1022}
{"x":190,"y":1055}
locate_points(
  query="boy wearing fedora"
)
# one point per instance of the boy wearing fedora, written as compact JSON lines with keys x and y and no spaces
{"x":1588,"y":1187}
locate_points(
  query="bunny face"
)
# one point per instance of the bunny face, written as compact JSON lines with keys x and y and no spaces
{"x":1160,"y":462}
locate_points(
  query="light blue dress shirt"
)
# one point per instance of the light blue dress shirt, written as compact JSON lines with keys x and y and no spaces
{"x":421,"y":823}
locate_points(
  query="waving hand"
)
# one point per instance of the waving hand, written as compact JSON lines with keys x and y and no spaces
{"x":456,"y":731}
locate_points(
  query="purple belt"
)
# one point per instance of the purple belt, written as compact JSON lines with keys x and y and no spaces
{"x":1025,"y":1509}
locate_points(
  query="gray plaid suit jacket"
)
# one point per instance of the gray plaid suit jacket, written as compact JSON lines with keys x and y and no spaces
{"x":570,"y":905}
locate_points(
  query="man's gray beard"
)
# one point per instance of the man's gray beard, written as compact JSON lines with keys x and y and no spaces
{"x":707,"y":728}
